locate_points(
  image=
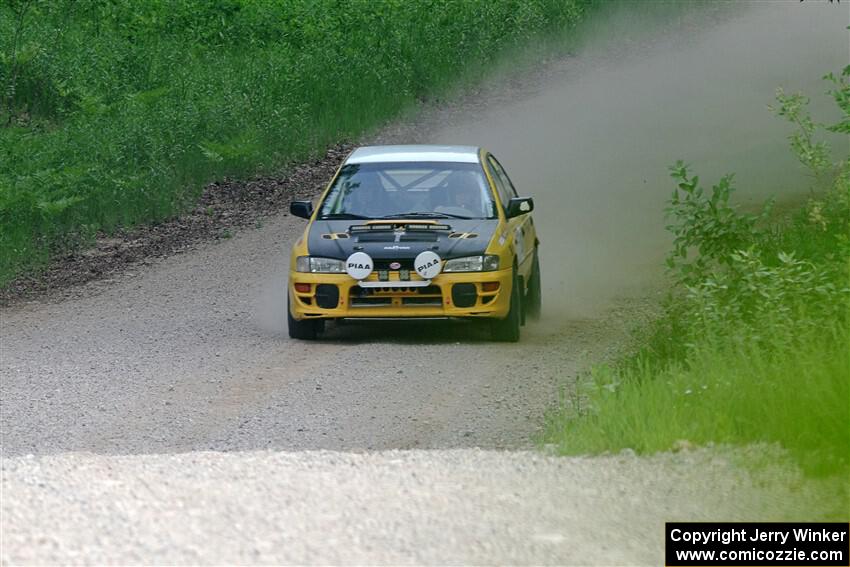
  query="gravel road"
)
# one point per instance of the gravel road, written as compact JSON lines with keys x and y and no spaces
{"x":191,"y":354}
{"x":162,"y":416}
{"x":394,"y":507}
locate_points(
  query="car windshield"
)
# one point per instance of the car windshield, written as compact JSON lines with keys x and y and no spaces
{"x":422,"y":190}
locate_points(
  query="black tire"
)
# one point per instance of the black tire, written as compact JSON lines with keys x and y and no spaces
{"x":507,"y":329}
{"x":534,"y":296}
{"x":307,"y":330}
{"x":522,"y":313}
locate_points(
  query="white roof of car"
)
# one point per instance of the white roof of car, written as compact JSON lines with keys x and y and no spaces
{"x":383,"y":154}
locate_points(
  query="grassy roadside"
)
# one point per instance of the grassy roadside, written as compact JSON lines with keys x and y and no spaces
{"x":753,"y":345}
{"x":116,"y":113}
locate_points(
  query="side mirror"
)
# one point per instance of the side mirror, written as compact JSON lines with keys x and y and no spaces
{"x":303,"y":209}
{"x":519,"y":206}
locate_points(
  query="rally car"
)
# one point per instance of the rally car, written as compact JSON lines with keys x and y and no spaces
{"x":415,"y":232}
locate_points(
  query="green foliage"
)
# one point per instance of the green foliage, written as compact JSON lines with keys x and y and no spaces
{"x":768,"y":305}
{"x":811,"y":153}
{"x":753,"y":344}
{"x":118,"y":111}
{"x":841,"y":94}
{"x":729,"y":394}
{"x":706,"y":228}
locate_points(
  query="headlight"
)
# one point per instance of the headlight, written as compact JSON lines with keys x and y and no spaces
{"x":488,"y":263}
{"x":319,"y":265}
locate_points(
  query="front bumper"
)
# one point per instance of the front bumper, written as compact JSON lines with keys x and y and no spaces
{"x":462,"y":294}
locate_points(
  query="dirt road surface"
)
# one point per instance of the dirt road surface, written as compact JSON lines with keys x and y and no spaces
{"x":463,"y":506}
{"x":162,"y":416}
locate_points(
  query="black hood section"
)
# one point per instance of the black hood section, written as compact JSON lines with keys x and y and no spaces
{"x":462,"y":237}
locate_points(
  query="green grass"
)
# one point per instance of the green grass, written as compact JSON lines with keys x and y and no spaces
{"x":768,"y":362}
{"x":756,"y":352}
{"x":116,"y":113}
{"x":753,"y":346}
{"x":723,"y":394}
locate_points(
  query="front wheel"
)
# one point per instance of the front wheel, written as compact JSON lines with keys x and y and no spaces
{"x":507,"y":329}
{"x":306,"y":330}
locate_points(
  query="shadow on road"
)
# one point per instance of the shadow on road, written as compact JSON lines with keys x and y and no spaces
{"x":419,"y":332}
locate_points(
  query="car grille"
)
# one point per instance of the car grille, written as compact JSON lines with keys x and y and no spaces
{"x":385,"y":264}
{"x":402,"y":296}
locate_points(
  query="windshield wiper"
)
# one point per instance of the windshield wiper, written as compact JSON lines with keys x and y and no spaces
{"x":426,"y":215}
{"x":342,"y":216}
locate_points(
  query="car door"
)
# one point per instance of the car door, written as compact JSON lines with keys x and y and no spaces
{"x":522,"y":226}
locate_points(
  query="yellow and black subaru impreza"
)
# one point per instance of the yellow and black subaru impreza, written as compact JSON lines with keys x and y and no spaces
{"x":416,"y":231}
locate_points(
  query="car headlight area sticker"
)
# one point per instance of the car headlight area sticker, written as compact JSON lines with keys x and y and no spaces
{"x":359,"y":265}
{"x":427,"y":265}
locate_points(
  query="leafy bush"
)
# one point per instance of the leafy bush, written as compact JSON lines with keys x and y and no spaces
{"x":707,"y":230}
{"x":751,"y":296}
{"x":752,"y":346}
{"x":739,"y":274}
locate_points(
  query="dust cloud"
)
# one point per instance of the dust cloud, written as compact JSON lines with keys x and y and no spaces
{"x":593,"y":147}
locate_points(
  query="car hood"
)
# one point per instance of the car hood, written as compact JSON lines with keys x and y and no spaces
{"x":400,"y":239}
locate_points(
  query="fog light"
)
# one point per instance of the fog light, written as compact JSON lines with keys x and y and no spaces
{"x":302,"y":287}
{"x":489,"y":286}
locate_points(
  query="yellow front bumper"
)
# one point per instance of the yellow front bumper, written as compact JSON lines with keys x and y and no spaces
{"x":436,"y":301}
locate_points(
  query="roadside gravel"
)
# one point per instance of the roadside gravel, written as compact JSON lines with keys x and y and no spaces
{"x":394,"y":507}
